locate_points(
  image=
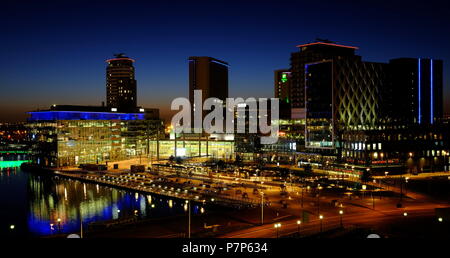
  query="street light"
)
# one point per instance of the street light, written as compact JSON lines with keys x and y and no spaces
{"x":189,"y":218}
{"x":440,"y":219}
{"x":298,"y":225}
{"x":342,"y":174}
{"x":302,"y":197}
{"x":363,"y":187}
{"x":277,"y":226}
{"x":341,"y":213}
{"x":405,"y":214}
{"x":12,"y":227}
{"x":406,"y":186}
{"x":59,"y":223}
{"x":386,"y":174}
{"x":321,"y":220}
{"x":262,"y":207}
{"x":318,"y":198}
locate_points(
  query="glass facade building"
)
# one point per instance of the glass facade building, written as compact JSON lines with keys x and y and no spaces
{"x":63,"y":139}
{"x":218,"y":149}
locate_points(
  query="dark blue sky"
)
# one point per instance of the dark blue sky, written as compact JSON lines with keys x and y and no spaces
{"x":54,"y":52}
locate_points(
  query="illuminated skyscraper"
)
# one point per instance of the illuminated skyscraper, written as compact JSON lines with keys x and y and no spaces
{"x":282,"y":81}
{"x":209,"y":75}
{"x":121,"y":83}
{"x":341,"y":94}
{"x":311,"y":52}
{"x":416,"y":91}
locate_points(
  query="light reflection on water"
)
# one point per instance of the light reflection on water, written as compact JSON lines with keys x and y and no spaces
{"x":45,"y":199}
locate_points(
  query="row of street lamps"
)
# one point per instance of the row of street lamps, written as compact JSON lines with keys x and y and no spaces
{"x":277,"y":226}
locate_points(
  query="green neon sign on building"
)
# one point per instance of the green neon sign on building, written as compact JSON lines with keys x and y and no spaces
{"x":284,"y":78}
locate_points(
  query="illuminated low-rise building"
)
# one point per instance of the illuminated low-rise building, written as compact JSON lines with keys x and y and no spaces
{"x":414,"y":149}
{"x":74,"y":135}
{"x":183,"y":148}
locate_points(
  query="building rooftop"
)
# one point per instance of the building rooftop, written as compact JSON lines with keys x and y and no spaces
{"x":325,"y":44}
{"x":210,"y":58}
{"x":76,"y":112}
{"x":120,"y":58}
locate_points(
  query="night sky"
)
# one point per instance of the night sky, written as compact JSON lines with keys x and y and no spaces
{"x":55,"y":52}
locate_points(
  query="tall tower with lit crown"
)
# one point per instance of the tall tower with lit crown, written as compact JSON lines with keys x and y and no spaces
{"x":120,"y":83}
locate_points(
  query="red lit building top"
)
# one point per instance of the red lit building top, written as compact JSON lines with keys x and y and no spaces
{"x":326,"y":44}
{"x":121,"y":58}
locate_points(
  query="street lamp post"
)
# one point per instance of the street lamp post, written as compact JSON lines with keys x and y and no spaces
{"x":277,"y":227}
{"x":364,"y":187}
{"x":298,"y":226}
{"x":406,"y":186}
{"x":59,"y":224}
{"x":341,"y":213}
{"x":81,"y":226}
{"x":342,"y":172}
{"x":321,"y":224}
{"x":373,"y":199}
{"x":302,"y":198}
{"x":318,"y":199}
{"x":189,"y":218}
{"x":387,"y":185}
{"x":262,"y":208}
{"x":401,"y":190}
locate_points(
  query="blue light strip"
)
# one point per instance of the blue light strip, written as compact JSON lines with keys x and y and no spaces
{"x":431,"y":92}
{"x":214,"y":61}
{"x":79,"y":115}
{"x":420,"y":93}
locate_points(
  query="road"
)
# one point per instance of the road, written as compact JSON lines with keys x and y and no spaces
{"x":366,"y":219}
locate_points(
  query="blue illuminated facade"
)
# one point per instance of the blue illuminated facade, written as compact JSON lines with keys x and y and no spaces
{"x":420,"y":91}
{"x":79,"y":115}
{"x":431,"y":92}
{"x":74,"y":135}
{"x":415,"y":91}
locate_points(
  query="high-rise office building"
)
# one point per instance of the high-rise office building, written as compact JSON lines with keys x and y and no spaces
{"x":342,"y":93}
{"x":377,"y":115}
{"x":282,"y":81}
{"x":121,"y":83}
{"x":209,"y":75}
{"x":415,"y":92}
{"x":311,"y":52}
